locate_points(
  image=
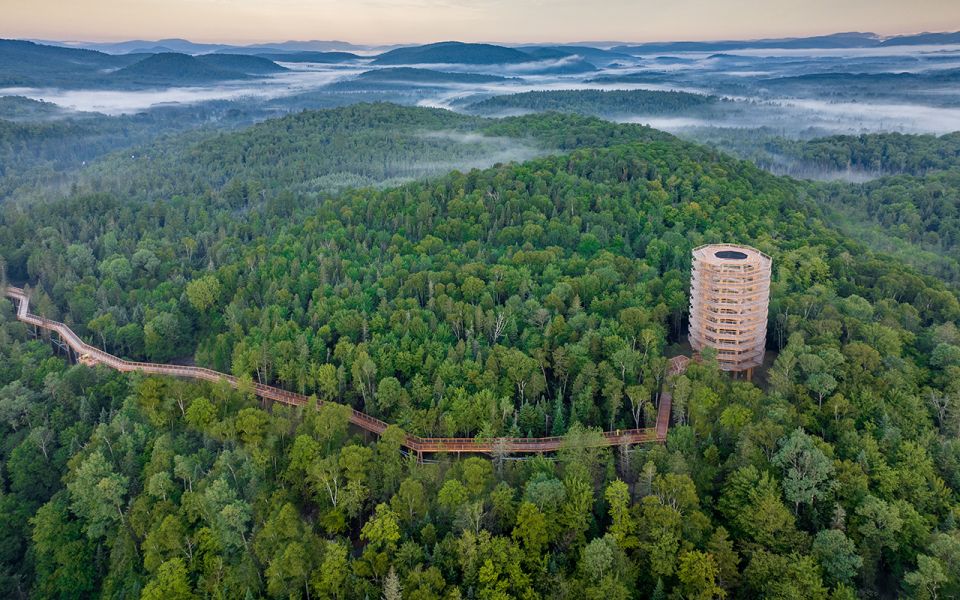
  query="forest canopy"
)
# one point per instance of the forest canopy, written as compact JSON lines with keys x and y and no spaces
{"x":526,"y":299}
{"x":598,"y":102}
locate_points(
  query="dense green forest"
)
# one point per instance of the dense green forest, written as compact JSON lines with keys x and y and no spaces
{"x":410,"y":74}
{"x":42,"y":146}
{"x":883,"y":153}
{"x":168,"y":68}
{"x":876,"y":154}
{"x":26,"y":64}
{"x":896,"y":193}
{"x":453,"y":52}
{"x":917,"y":217}
{"x":353,"y":146}
{"x":535,"y":298}
{"x":597,"y":102}
{"x":912,"y":212}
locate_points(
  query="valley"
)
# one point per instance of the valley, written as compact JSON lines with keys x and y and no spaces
{"x":326,"y":320}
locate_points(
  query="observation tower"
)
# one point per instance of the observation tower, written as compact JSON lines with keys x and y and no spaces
{"x":729,"y":298}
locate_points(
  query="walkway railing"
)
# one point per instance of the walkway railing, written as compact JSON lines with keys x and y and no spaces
{"x":420,"y":445}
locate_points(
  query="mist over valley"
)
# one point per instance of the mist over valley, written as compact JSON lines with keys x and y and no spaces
{"x":733,"y":91}
{"x":546,"y":320}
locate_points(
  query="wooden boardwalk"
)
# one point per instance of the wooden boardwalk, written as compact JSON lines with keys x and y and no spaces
{"x":419,"y":445}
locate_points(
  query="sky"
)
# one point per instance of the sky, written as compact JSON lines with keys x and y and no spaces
{"x":508,"y":21}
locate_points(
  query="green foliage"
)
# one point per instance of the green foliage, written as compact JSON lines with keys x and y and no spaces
{"x":203,"y":293}
{"x":523,"y":300}
{"x":784,"y":577}
{"x":837,"y":555}
{"x":97,"y":494}
{"x":169,"y":583}
{"x":886,"y":153}
{"x":698,"y":574}
{"x":808,"y":472}
{"x":597,"y":102}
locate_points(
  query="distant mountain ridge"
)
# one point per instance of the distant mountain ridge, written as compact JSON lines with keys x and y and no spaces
{"x":241,"y":63}
{"x":311,"y":57}
{"x":410,"y":74}
{"x":188,"y":47}
{"x":531,"y":60}
{"x":175,"y":61}
{"x":505,"y":53}
{"x":924,"y":38}
{"x":171,"y":67}
{"x":177,"y":68}
{"x":29,"y":64}
{"x":847,"y":40}
{"x":836,"y":40}
{"x":453,"y":53}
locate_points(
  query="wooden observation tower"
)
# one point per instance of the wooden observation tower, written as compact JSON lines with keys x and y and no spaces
{"x":729,"y":298}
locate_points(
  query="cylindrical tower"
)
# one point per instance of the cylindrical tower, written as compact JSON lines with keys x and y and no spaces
{"x":729,"y":297}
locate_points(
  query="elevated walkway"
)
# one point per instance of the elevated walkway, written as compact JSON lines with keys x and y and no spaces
{"x":91,"y":356}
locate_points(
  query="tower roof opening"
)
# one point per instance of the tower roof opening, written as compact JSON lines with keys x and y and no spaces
{"x":729,"y":301}
{"x":730,"y":255}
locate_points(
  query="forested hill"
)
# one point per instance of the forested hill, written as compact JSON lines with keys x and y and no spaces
{"x":42,"y":146}
{"x":896,"y":192}
{"x":878,"y":154}
{"x":354,"y":146}
{"x":170,"y":68}
{"x":241,"y":63}
{"x":412,"y":75}
{"x":916,"y":218}
{"x":908,"y":205}
{"x":311,"y":57}
{"x":596,"y":102}
{"x":16,"y":108}
{"x":26,"y":64}
{"x":535,"y":298}
{"x":453,"y":52}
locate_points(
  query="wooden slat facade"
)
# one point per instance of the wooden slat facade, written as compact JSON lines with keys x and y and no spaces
{"x":729,"y":300}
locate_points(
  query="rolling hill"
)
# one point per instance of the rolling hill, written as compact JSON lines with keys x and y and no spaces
{"x":413,"y":75}
{"x":923,"y":39}
{"x":241,"y":63}
{"x":311,"y":57}
{"x":37,"y":65}
{"x":356,"y":145}
{"x":595,"y":102}
{"x":595,"y":56}
{"x":836,"y":40}
{"x":173,"y":68}
{"x":453,"y":53}
{"x":28,"y":64}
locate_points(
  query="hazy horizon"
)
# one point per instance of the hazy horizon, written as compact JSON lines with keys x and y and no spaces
{"x":375,"y":44}
{"x":381,"y":22}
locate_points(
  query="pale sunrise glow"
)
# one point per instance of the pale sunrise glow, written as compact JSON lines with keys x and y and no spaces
{"x":397,"y":21}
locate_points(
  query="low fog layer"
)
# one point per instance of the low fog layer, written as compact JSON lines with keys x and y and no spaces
{"x":763,"y":94}
{"x":302,"y":78}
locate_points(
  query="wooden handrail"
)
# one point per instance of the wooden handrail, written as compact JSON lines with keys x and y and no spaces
{"x":420,"y":445}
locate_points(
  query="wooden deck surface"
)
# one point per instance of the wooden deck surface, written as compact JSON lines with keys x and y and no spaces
{"x":420,"y":445}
